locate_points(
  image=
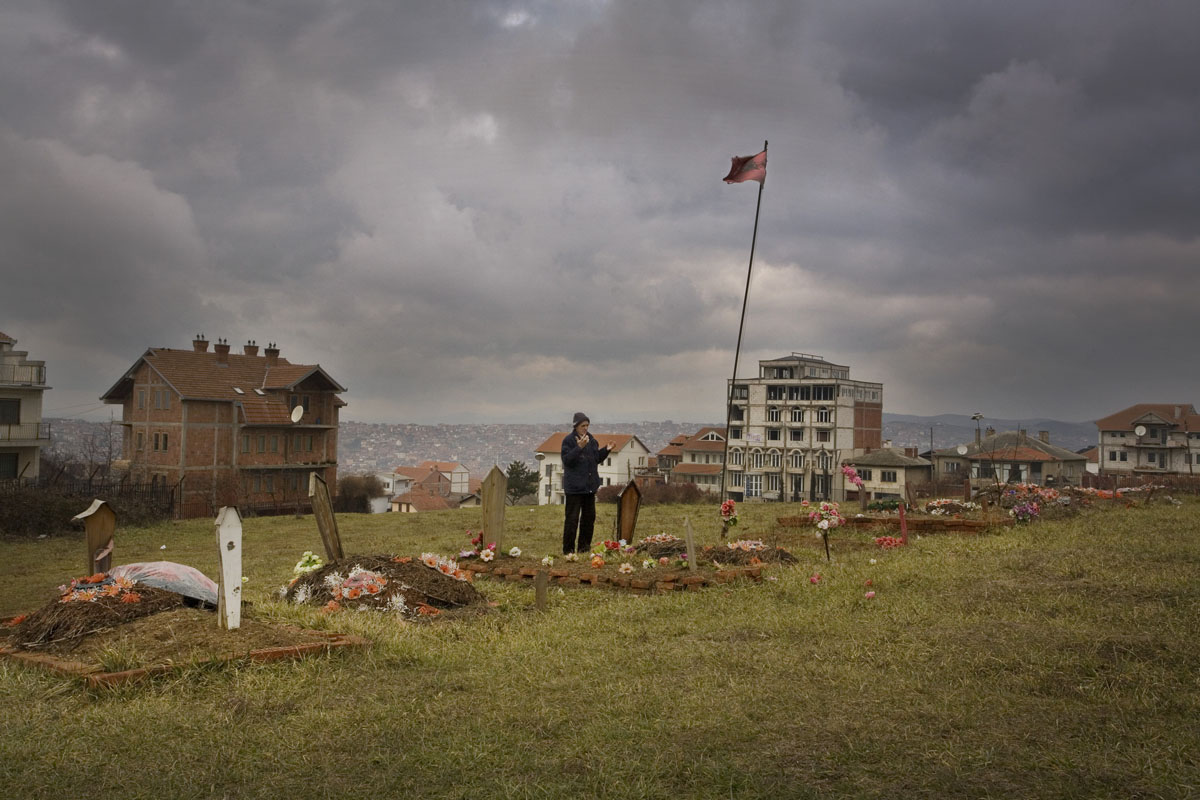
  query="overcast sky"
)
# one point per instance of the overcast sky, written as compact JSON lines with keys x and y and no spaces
{"x":507,"y":212}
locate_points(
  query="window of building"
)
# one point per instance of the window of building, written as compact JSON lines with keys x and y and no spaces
{"x":735,"y":456}
{"x":865,"y":474}
{"x":156,"y":442}
{"x":773,"y":458}
{"x":166,"y":398}
{"x":772,"y":414}
{"x":823,"y":436}
{"x":262,"y":443}
{"x":1150,"y":457}
{"x":951,"y":466}
{"x":274,"y":444}
{"x":1124,"y":456}
{"x":824,"y":414}
{"x":735,"y":478}
{"x":308,"y":443}
{"x":887,"y":475}
{"x":796,"y":435}
{"x":549,"y":470}
{"x":1112,"y":455}
{"x":141,"y":398}
{"x":157,"y":399}
{"x":774,"y":435}
{"x":772,"y":481}
{"x":547,"y":490}
{"x":775,"y":392}
{"x":753,"y":485}
{"x":824,"y":461}
{"x":797,"y":415}
{"x":306,"y":401}
{"x":141,"y":440}
{"x":823,"y":393}
{"x":756,"y":459}
{"x":164,"y":442}
{"x":735,"y":433}
{"x":741,"y":392}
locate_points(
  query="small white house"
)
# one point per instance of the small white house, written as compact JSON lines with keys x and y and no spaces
{"x":629,"y":457}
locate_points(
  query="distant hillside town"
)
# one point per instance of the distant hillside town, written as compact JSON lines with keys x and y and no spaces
{"x":216,"y":427}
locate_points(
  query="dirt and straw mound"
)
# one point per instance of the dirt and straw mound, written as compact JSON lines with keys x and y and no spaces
{"x":743,"y":556}
{"x":382,"y":582}
{"x":60,"y":621}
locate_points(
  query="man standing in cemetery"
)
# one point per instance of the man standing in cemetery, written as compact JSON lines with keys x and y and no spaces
{"x":581,"y":457}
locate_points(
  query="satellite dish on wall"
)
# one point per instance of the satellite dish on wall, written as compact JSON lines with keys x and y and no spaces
{"x":1140,"y":430}
{"x":962,"y":449}
{"x":297,"y":413}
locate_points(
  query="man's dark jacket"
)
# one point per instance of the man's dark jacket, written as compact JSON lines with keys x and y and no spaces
{"x":580,"y":473}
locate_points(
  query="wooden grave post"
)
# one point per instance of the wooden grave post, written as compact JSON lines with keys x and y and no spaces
{"x":966,"y":490}
{"x":318,"y":493}
{"x":99,"y":522}
{"x":689,"y":539}
{"x":628,"y":503}
{"x":492,"y":493}
{"x":541,"y":582}
{"x":229,"y":555}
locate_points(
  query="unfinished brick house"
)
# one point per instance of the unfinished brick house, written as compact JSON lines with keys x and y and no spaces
{"x":217,"y":426}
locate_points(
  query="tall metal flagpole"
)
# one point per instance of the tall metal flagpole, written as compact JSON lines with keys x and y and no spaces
{"x":738,"y":350}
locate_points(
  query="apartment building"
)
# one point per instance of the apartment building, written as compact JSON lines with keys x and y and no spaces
{"x":228,"y":429}
{"x":22,"y":432}
{"x":792,"y":425}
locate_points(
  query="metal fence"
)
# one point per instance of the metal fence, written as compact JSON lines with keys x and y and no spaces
{"x":27,"y":431}
{"x":159,"y":496}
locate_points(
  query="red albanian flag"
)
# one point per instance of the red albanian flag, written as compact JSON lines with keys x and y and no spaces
{"x":748,"y":168}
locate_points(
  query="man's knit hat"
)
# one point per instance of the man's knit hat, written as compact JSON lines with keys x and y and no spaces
{"x":579,"y":417}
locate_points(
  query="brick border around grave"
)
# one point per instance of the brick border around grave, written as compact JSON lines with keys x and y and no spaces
{"x":96,"y":678}
{"x":664,"y":583}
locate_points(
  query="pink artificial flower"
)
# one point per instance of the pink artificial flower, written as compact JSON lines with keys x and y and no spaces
{"x":815,"y":579}
{"x":870,"y":595}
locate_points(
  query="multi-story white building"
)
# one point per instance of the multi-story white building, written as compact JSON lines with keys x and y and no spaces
{"x":22,"y":432}
{"x":628,"y":458}
{"x":791,"y":427}
{"x":1151,"y":439}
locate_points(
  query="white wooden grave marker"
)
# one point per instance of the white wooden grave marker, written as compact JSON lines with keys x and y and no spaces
{"x":229,"y":547}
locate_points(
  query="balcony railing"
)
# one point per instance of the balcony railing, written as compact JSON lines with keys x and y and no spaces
{"x":24,"y":431}
{"x":23,"y":374}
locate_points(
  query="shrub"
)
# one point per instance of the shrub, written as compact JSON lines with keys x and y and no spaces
{"x":661,"y":494}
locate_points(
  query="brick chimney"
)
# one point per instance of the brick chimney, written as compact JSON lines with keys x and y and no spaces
{"x":250,"y":348}
{"x":911,"y":452}
{"x":221,"y":348}
{"x":272,"y":354}
{"x":200,"y":344}
{"x":1044,"y":436}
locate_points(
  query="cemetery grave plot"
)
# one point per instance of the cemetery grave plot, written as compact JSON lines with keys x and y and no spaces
{"x":655,"y":564}
{"x":415,"y":588}
{"x":108,"y":639}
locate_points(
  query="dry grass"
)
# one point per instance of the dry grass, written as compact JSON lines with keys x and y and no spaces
{"x":1051,"y":661}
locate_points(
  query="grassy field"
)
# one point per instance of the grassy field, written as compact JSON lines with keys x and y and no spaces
{"x":1057,"y":660}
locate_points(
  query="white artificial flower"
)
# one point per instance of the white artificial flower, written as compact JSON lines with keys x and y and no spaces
{"x":548,"y":561}
{"x":516,"y":551}
{"x":486,"y":555}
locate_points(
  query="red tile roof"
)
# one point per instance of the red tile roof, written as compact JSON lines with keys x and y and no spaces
{"x":695,"y":441}
{"x":423,"y":501}
{"x":1173,"y":413}
{"x":1017,"y":453}
{"x":200,"y":376}
{"x":413,"y":473}
{"x":554,"y":443}
{"x":440,"y":466}
{"x":696,"y":469}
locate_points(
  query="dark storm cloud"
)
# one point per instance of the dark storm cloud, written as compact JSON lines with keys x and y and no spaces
{"x":468,"y":210}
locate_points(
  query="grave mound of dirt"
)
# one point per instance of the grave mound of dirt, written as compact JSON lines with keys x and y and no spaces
{"x":61,"y":621}
{"x":382,"y":582}
{"x":746,"y":555}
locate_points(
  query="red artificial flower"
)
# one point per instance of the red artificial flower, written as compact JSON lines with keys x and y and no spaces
{"x":131,"y":597}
